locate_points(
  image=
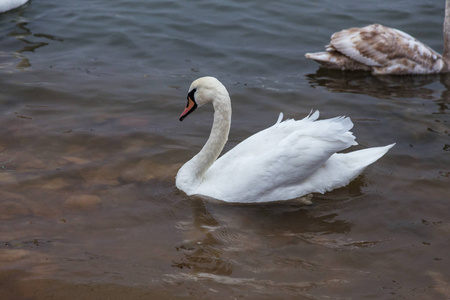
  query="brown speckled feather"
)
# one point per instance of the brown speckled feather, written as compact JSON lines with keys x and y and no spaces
{"x":386,"y":49}
{"x":380,"y":49}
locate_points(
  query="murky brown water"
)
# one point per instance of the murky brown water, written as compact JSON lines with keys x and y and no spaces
{"x":90,"y":144}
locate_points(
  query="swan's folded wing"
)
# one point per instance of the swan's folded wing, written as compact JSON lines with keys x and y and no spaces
{"x":267,"y":139}
{"x":368,"y":45}
{"x":300,"y":154}
{"x":253,"y":169}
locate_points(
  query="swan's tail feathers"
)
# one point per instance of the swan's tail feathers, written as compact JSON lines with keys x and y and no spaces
{"x":319,"y":56}
{"x":335,"y":60}
{"x":328,"y":59}
{"x":342,"y":168}
{"x":359,"y":160}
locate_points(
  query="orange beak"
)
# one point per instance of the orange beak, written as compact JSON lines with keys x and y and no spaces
{"x":190,"y":107}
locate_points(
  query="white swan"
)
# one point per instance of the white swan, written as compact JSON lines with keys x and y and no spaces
{"x":384,"y":50}
{"x":6,"y":5}
{"x":285,"y":161}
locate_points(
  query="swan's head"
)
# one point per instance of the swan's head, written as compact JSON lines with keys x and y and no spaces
{"x":203,"y":90}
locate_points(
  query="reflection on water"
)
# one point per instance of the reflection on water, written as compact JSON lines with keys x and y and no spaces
{"x":385,"y":87}
{"x":32,"y":41}
{"x":237,"y":244}
{"x":202,"y":249}
{"x":218,"y":229}
{"x":376,"y":86}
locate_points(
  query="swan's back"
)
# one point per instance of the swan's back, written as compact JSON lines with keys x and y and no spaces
{"x":282,"y":132}
{"x":276,"y":161}
{"x":379,"y":49}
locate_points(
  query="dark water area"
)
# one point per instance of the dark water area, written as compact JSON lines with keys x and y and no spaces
{"x":90,"y":144}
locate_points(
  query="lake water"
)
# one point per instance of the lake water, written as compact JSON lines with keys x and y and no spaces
{"x":90,"y":143}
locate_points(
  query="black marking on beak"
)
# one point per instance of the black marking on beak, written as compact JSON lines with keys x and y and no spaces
{"x":190,"y":106}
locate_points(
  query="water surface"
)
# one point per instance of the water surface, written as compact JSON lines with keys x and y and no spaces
{"x":90,"y":143}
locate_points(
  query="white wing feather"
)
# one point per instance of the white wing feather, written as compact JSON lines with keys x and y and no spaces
{"x":278,"y":158}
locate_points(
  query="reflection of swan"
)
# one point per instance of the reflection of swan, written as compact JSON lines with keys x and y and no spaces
{"x":32,"y":41}
{"x":382,"y":87}
{"x":285,"y":161}
{"x":6,"y":5}
{"x":384,"y":50}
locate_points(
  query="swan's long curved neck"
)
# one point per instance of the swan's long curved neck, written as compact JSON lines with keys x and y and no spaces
{"x":446,"y":52}
{"x":218,"y":136}
{"x":191,"y":174}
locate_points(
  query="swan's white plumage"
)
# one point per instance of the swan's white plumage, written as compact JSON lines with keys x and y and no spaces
{"x":6,"y":5}
{"x":285,"y":161}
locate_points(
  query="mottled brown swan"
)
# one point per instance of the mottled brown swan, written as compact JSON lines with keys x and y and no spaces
{"x":384,"y":50}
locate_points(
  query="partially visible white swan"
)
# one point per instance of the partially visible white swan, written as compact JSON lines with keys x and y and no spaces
{"x":384,"y":50}
{"x":6,"y":5}
{"x":285,"y":161}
